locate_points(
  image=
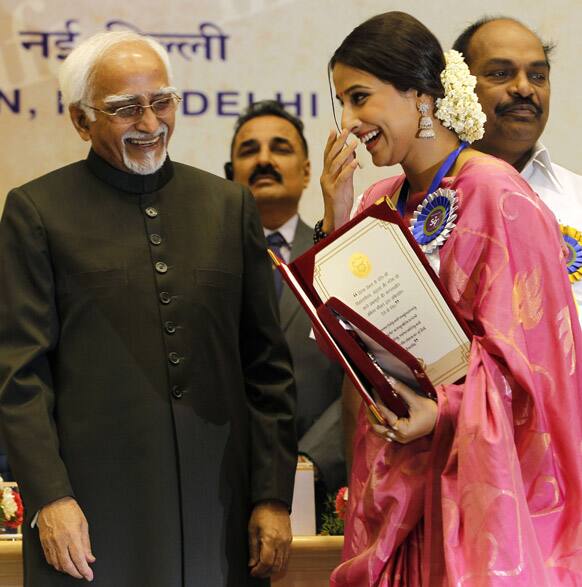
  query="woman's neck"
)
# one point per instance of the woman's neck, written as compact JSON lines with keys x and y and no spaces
{"x":426,"y":157}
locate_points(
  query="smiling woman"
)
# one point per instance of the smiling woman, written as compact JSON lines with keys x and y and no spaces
{"x":470,"y":489}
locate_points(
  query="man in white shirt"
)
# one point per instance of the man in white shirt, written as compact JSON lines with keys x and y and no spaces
{"x":512,"y":67}
{"x":269,"y":154}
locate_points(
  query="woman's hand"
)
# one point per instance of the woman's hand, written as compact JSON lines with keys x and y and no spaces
{"x":339,"y":164}
{"x":422,"y":416}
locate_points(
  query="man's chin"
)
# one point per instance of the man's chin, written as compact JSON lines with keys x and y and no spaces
{"x":516,"y":129}
{"x":147,"y":164}
{"x":523,"y":132}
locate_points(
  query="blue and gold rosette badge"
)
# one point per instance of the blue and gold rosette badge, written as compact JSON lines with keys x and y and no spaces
{"x":434,"y":219}
{"x":573,"y":240}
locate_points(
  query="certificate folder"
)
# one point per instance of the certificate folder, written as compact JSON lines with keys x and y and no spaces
{"x":375,"y":299}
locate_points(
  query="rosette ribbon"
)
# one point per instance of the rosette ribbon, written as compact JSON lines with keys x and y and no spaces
{"x":573,"y":240}
{"x":434,"y":219}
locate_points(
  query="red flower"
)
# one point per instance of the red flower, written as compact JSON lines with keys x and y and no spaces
{"x":18,"y":518}
{"x":341,"y":503}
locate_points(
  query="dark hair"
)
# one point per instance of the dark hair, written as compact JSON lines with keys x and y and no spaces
{"x":269,"y":108}
{"x":397,"y":49}
{"x":464,"y":39}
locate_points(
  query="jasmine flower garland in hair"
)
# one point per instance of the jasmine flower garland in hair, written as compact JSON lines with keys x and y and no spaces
{"x":460,"y":110}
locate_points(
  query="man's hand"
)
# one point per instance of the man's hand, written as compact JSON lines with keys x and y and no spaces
{"x":269,"y":538}
{"x":64,"y":535}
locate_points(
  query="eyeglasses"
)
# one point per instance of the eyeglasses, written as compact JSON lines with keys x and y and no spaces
{"x":134,"y":112}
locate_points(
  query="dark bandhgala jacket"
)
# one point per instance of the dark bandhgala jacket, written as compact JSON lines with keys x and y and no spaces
{"x":142,"y":370}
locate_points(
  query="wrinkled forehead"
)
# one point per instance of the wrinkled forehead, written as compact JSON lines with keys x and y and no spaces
{"x":264,"y":129}
{"x":132,"y":68}
{"x":504,"y":39}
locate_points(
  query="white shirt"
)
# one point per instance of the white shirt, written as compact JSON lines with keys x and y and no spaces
{"x":287,"y":231}
{"x":561,"y":191}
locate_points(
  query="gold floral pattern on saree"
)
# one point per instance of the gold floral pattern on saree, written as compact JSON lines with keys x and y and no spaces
{"x":508,"y":199}
{"x":547,"y":497}
{"x":415,"y":466}
{"x":469,"y":287}
{"x":566,"y":555}
{"x":510,"y":340}
{"x":526,"y":298}
{"x":566,"y":336}
{"x":479,"y":506}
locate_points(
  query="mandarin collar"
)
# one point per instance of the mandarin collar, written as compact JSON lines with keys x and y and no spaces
{"x":132,"y":183}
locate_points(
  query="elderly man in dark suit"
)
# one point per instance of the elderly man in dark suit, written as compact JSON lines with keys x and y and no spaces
{"x":269,"y":154}
{"x":146,"y":392}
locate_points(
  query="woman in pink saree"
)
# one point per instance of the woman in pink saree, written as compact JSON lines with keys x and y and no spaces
{"x":484,"y":486}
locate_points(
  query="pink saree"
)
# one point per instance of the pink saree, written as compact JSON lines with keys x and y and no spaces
{"x":494,"y":496}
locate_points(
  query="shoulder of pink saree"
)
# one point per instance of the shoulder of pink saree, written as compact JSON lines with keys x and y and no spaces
{"x":384,"y":187}
{"x":491,"y":483}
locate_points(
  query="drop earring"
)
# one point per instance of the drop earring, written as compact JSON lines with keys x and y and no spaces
{"x":425,"y":127}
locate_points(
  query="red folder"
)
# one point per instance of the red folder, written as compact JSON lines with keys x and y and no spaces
{"x":342,"y":343}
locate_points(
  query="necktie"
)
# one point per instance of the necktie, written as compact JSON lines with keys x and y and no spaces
{"x":275,"y":241}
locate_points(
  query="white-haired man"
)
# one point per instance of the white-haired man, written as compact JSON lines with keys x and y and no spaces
{"x":146,"y":394}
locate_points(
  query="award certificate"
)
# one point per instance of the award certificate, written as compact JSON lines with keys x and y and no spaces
{"x":373,"y":269}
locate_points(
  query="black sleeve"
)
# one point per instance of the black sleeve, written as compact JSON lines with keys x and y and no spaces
{"x":267,"y":369}
{"x":28,"y":332}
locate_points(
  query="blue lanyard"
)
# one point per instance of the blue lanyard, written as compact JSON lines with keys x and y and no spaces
{"x":440,"y":174}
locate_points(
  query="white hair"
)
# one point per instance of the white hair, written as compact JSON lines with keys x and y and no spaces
{"x":75,"y":75}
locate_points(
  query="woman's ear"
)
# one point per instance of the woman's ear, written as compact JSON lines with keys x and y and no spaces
{"x":422,"y":97}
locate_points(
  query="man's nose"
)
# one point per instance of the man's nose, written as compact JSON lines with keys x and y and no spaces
{"x":264,"y":155}
{"x":521,"y":85}
{"x":149,"y":121}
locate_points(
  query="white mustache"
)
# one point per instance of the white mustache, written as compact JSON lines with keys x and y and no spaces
{"x":142,"y":136}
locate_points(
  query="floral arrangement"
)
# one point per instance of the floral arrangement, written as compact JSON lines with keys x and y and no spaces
{"x":11,"y":509}
{"x":335,"y":514}
{"x":460,"y":110}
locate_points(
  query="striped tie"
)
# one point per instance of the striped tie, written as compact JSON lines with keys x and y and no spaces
{"x":275,"y":241}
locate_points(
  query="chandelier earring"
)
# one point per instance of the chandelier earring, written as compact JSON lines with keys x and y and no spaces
{"x":425,"y":126}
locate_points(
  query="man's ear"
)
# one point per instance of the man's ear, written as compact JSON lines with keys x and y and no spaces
{"x":306,"y":173}
{"x":80,"y":121}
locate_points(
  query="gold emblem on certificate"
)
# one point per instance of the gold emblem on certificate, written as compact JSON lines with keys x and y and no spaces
{"x":360,"y":265}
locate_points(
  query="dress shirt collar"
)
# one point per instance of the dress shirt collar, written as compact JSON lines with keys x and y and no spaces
{"x":132,"y":183}
{"x":540,"y":160}
{"x":287,"y":230}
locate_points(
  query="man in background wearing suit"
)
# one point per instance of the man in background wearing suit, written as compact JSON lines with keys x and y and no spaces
{"x":269,"y":154}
